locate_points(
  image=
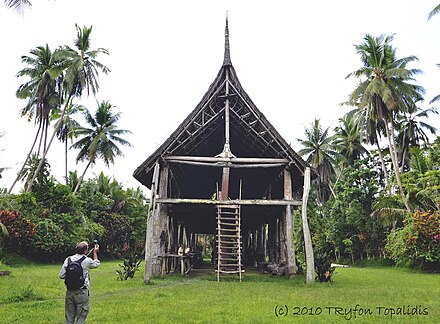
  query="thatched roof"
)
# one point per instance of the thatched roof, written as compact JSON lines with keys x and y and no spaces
{"x":202,"y":133}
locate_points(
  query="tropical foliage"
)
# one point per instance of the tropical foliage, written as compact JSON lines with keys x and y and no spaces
{"x":55,"y":78}
{"x":47,"y":222}
{"x":383,"y":202}
{"x":101,"y":139}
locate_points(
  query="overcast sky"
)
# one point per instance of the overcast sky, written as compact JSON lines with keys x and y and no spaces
{"x":291,"y":57}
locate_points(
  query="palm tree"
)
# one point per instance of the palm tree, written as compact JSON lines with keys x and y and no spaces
{"x":411,"y":131}
{"x":322,"y":154}
{"x":348,"y":137}
{"x":65,"y":130}
{"x":81,"y":72}
{"x":72,"y":180}
{"x":99,"y":141}
{"x":383,"y":89}
{"x":371,"y":132}
{"x":42,"y":93}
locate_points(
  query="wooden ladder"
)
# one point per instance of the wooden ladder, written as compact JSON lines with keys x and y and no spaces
{"x":228,"y":240}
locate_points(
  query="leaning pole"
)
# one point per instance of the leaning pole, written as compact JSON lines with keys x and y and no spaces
{"x":310,"y":262}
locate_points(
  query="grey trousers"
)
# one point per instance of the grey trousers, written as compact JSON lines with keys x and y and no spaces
{"x":77,"y":306}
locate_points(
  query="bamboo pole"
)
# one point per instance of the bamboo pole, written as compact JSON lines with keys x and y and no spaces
{"x":310,"y":263}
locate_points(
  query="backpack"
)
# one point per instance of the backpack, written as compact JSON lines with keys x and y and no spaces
{"x":74,"y":274}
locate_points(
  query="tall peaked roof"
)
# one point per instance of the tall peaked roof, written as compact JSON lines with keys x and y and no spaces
{"x":202,"y":133}
{"x":227,"y":57}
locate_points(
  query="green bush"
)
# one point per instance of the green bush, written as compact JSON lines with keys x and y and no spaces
{"x":21,"y":231}
{"x":130,"y":265}
{"x":118,"y":231}
{"x":418,"y":242}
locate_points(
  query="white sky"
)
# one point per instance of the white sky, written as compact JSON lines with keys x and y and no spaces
{"x":290,"y":56}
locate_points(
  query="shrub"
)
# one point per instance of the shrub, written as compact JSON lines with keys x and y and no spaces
{"x":418,"y":242}
{"x":117,"y":232}
{"x":21,"y":231}
{"x":129,"y":267}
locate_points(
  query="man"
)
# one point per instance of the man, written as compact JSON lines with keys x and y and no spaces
{"x":77,"y":303}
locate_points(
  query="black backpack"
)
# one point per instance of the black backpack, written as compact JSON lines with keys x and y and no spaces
{"x":74,"y":274}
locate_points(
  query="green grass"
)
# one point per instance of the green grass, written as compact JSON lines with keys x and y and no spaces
{"x":33,"y":293}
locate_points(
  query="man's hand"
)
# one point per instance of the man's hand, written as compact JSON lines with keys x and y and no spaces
{"x":95,"y":251}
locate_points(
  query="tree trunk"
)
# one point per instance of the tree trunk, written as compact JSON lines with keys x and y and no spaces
{"x":384,"y":169}
{"x":65,"y":161}
{"x":29,"y":187}
{"x":390,"y":135}
{"x":310,"y":262}
{"x":82,"y":177}
{"x":25,"y":161}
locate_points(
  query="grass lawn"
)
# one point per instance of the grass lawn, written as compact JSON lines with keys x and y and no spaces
{"x":33,"y":293}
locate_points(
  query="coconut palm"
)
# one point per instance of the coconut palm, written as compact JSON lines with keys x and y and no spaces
{"x":81,"y":72}
{"x":65,"y":130}
{"x":322,"y":154}
{"x":42,"y":93}
{"x":348,"y":137}
{"x":371,"y":133}
{"x":101,"y":139}
{"x":384,"y":90}
{"x":411,"y":131}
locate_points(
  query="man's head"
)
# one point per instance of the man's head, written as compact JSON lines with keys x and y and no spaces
{"x":82,"y":247}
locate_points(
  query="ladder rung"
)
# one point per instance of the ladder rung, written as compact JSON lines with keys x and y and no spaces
{"x":229,"y":235}
{"x":227,"y":218}
{"x":228,"y":206}
{"x":223,"y":271}
{"x":229,"y":229}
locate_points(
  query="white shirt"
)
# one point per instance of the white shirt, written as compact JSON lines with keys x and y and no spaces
{"x":88,"y":263}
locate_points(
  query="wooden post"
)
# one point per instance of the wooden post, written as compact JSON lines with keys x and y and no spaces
{"x":264,"y":235}
{"x":290,"y":248}
{"x":162,"y":221}
{"x":310,"y":262}
{"x":272,"y":241}
{"x":225,"y":184}
{"x":152,"y":215}
{"x":282,"y":231}
{"x":277,"y":241}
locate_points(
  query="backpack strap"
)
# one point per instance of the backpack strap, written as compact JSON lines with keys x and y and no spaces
{"x":69,"y":260}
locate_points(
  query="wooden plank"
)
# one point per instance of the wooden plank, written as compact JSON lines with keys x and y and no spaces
{"x":225,"y":159}
{"x":223,"y":164}
{"x":249,"y":202}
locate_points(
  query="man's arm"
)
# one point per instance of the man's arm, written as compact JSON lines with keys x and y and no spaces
{"x":95,"y":263}
{"x":63,"y":270}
